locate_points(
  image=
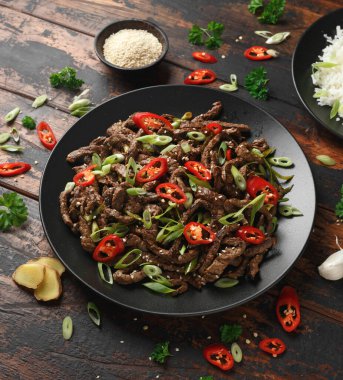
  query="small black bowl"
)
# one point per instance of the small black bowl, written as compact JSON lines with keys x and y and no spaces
{"x":130,"y":24}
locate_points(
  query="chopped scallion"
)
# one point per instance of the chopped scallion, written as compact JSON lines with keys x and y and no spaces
{"x":67,"y":328}
{"x":105,"y":273}
{"x":196,"y":136}
{"x":186,"y":148}
{"x":238,"y":178}
{"x":226,"y":282}
{"x":133,"y":255}
{"x":136,"y":191}
{"x":158,"y":288}
{"x":131,"y":171}
{"x":94,"y":313}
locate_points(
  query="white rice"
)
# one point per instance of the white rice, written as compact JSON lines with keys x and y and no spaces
{"x":329,"y":81}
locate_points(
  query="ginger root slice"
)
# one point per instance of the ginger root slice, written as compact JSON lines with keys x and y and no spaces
{"x":51,"y":288}
{"x":30,"y":275}
{"x":51,"y":262}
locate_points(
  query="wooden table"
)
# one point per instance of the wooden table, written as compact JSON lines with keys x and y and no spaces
{"x":38,"y":37}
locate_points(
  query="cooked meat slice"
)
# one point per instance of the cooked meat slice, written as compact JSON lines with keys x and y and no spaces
{"x":120,"y":127}
{"x":85,"y":232}
{"x":134,"y":241}
{"x":117,"y":216}
{"x":241,"y":269}
{"x":124,"y":277}
{"x":254,"y":266}
{"x":244,"y":152}
{"x":260,"y":144}
{"x":212,"y":113}
{"x":260,"y":249}
{"x":64,"y":209}
{"x":120,"y":169}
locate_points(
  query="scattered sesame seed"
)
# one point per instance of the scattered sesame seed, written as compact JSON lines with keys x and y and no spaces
{"x":240,"y":37}
{"x":135,"y":319}
{"x":56,"y":108}
{"x":98,"y":377}
{"x":150,"y":358}
{"x":223,"y":56}
{"x":121,"y":341}
{"x":255,"y":334}
{"x":15,"y":180}
{"x":203,"y":316}
{"x":247,"y":341}
{"x":145,"y":327}
{"x":244,"y":315}
{"x":157,"y":376}
{"x":50,"y":98}
{"x":236,"y":39}
{"x":21,"y":176}
{"x":177,"y":349}
{"x":209,"y":337}
{"x":36,"y":162}
{"x":274,"y":356}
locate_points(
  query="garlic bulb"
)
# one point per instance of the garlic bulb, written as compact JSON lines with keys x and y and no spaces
{"x":332,"y":267}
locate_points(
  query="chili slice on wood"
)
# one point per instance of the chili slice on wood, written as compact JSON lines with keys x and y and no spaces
{"x":257,"y":53}
{"x":219,"y":355}
{"x":202,"y":56}
{"x":46,"y":135}
{"x":150,"y":122}
{"x":215,"y":128}
{"x":201,"y":76}
{"x":288,"y":309}
{"x":155,"y":169}
{"x":10,"y":169}
{"x":85,"y":177}
{"x":197,"y":233}
{"x":172,"y":192}
{"x":273,"y":346}
{"x":108,"y":248}
{"x":251,"y":234}
{"x":257,"y":185}
{"x":199,"y":170}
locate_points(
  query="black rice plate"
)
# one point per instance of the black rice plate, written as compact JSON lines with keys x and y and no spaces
{"x":292,"y":234}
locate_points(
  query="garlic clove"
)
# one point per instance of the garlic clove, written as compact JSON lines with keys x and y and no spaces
{"x":332,"y":268}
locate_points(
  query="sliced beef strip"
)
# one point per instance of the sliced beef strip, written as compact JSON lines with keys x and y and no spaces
{"x":85,"y":232}
{"x":243,"y":151}
{"x":114,"y":215}
{"x":260,"y":249}
{"x":124,"y":277}
{"x":120,"y":127}
{"x":64,"y":209}
{"x":239,"y":271}
{"x":260,"y":144}
{"x":254,"y":266}
{"x":212,"y":113}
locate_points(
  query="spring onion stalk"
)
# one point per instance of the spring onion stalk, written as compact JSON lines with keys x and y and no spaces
{"x":4,"y":137}
{"x":12,"y":115}
{"x":95,"y":226}
{"x":118,"y":229}
{"x":173,"y":236}
{"x":277,"y":38}
{"x":238,"y":178}
{"x":236,"y":352}
{"x":158,"y":288}
{"x":80,"y":111}
{"x":15,"y":135}
{"x":183,"y":249}
{"x":274,"y":224}
{"x":284,"y":162}
{"x":222,"y":153}
{"x":131,"y":171}
{"x":226,"y":282}
{"x":12,"y":148}
{"x":105,"y":273}
{"x":152,"y":270}
{"x":96,"y":160}
{"x":158,"y":140}
{"x":176,"y":123}
{"x":319,"y":93}
{"x":256,"y":152}
{"x":67,"y":328}
{"x":168,"y":149}
{"x":79,"y":104}
{"x":133,"y":255}
{"x":147,"y":219}
{"x":69,"y":186}
{"x":288,"y":211}
{"x":186,"y":148}
{"x":114,"y":159}
{"x":324,"y":65}
{"x":198,"y":182}
{"x":196,"y":136}
{"x":39,"y":101}
{"x":263,"y":33}
{"x":136,"y":191}
{"x":334,"y":109}
{"x":326,"y":160}
{"x":191,"y":265}
{"x":94,"y":313}
{"x":187,"y":116}
{"x":189,"y":200}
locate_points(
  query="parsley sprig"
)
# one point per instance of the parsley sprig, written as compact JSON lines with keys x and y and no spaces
{"x":161,"y":352}
{"x":256,"y":83}
{"x":269,"y":13}
{"x":66,"y":78}
{"x":339,"y":206}
{"x":230,"y":333}
{"x":13,"y":211}
{"x":210,"y":36}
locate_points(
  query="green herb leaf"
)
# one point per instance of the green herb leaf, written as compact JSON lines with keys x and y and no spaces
{"x":210,"y":36}
{"x":206,"y":378}
{"x":131,"y":171}
{"x":134,"y":255}
{"x":339,"y":206}
{"x":195,"y":35}
{"x":334,"y":109}
{"x":66,"y":78}
{"x":13,"y":211}
{"x":256,"y":83}
{"x":28,"y":122}
{"x":230,"y":333}
{"x":272,"y":12}
{"x":160,"y":352}
{"x":255,"y":5}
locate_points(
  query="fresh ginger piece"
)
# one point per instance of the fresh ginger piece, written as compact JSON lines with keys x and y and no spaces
{"x":51,"y":262}
{"x":51,"y":288}
{"x":30,"y":275}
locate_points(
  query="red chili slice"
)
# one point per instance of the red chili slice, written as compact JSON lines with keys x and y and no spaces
{"x":109,"y":247}
{"x":201,"y":76}
{"x":155,"y":169}
{"x":273,"y":346}
{"x":288,"y":309}
{"x":215,"y":128}
{"x":197,"y":233}
{"x":229,"y":154}
{"x":10,"y":169}
{"x":257,"y":53}
{"x":172,"y":192}
{"x":150,"y":122}
{"x":202,"y":56}
{"x":251,"y":234}
{"x":257,"y":185}
{"x":85,"y":177}
{"x":46,"y":135}
{"x":199,"y":170}
{"x":219,"y":355}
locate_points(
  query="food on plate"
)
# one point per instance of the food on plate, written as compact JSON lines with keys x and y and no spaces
{"x":43,"y":275}
{"x":327,"y":75}
{"x":176,"y":206}
{"x":132,"y":48}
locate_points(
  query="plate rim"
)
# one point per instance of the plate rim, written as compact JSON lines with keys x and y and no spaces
{"x":197,"y":313}
{"x":303,"y":101}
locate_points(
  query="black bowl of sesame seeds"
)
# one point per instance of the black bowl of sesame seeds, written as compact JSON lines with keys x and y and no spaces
{"x":131,"y":45}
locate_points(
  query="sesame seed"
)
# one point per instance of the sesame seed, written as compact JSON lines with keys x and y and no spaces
{"x":157,"y":376}
{"x":236,"y":39}
{"x":255,"y":334}
{"x":274,"y":356}
{"x":240,"y":37}
{"x":203,"y":316}
{"x":244,"y":315}
{"x":150,"y":358}
{"x":177,"y":349}
{"x":209,"y":337}
{"x":223,"y":56}
{"x":36,"y":162}
{"x":50,"y":98}
{"x":135,"y":319}
{"x":21,"y":176}
{"x":247,"y":341}
{"x":121,"y":341}
{"x":145,"y":327}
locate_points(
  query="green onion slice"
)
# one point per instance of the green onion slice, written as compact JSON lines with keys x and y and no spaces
{"x":96,"y":160}
{"x":189,"y":200}
{"x":191,"y":265}
{"x":198,"y":182}
{"x":236,"y":352}
{"x":94,"y":313}
{"x":256,"y":152}
{"x":95,"y":226}
{"x":288,"y":211}
{"x":152,"y":270}
{"x":80,"y":103}
{"x":238,"y":178}
{"x":118,"y":229}
{"x":274,"y":224}
{"x":158,"y":288}
{"x":334,"y":109}
{"x":133,"y":255}
{"x":131,"y":171}
{"x":15,"y":135}
{"x":39,"y":101}
{"x":176,"y":123}
{"x":147,"y":219}
{"x":183,"y":249}
{"x":222,"y":153}
{"x":12,"y":115}
{"x":230,"y":87}
{"x":12,"y":148}
{"x":284,"y":162}
{"x":4,"y":137}
{"x":114,"y":159}
{"x":186,"y":148}
{"x":196,"y":136}
{"x":187,"y":116}
{"x":135,"y":191}
{"x":324,"y":65}
{"x":69,"y":186}
{"x":226,"y":282}
{"x":326,"y":160}
{"x":67,"y":328}
{"x":105,"y":273}
{"x":155,"y":139}
{"x":168,"y":149}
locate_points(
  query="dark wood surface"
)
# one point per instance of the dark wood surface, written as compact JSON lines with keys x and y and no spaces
{"x":38,"y":37}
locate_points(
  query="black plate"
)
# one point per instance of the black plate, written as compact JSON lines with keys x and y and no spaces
{"x":309,"y":47}
{"x":292,"y":233}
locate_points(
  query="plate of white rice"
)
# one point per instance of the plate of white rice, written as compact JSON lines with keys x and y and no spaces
{"x":317,"y":70}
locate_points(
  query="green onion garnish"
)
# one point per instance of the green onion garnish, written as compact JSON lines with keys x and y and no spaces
{"x":191,"y":265}
{"x":131,"y":171}
{"x":189,"y":200}
{"x":158,"y":288}
{"x":147,"y":219}
{"x":288,"y":211}
{"x":114,"y":159}
{"x":12,"y":115}
{"x":238,"y":178}
{"x":284,"y":162}
{"x":96,"y":160}
{"x":94,"y":313}
{"x":152,"y":270}
{"x":136,"y":191}
{"x":155,"y":139}
{"x":198,"y":182}
{"x":122,"y":264}
{"x":69,"y":186}
{"x":186,"y":148}
{"x":67,"y":328}
{"x":222,"y":153}
{"x":106,"y":275}
{"x":225,"y":282}
{"x":236,"y":353}
{"x":326,"y":160}
{"x":187,"y":116}
{"x":183,"y":249}
{"x":39,"y":101}
{"x":168,"y":149}
{"x":334,"y":109}
{"x":196,"y":136}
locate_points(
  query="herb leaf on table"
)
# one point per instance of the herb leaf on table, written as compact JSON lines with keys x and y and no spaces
{"x":230,"y":333}
{"x":339,"y":206}
{"x":66,"y":78}
{"x":254,"y":5}
{"x":269,"y":13}
{"x":210,"y":36}
{"x":13,"y":211}
{"x":161,"y":352}
{"x":256,"y":83}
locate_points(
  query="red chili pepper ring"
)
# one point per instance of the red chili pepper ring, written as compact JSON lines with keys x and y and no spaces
{"x":257,"y":53}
